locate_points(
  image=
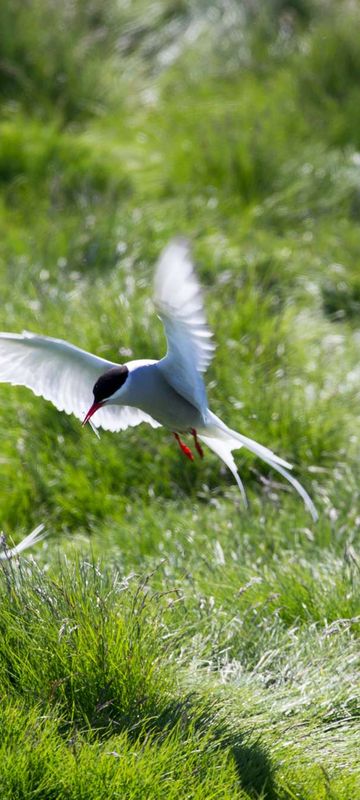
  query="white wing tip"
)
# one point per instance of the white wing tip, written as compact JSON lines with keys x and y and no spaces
{"x":177,"y":251}
{"x":33,"y":538}
{"x":181,"y":242}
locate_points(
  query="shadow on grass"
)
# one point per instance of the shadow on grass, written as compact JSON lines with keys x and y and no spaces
{"x":254,"y":770}
{"x":197,"y":716}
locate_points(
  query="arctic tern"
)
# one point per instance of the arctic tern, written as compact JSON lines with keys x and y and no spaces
{"x":169,"y":392}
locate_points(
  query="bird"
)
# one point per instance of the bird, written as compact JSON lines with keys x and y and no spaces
{"x":168,"y":392}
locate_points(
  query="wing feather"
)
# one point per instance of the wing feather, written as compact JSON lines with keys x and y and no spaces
{"x":178,"y":298}
{"x":65,"y":375}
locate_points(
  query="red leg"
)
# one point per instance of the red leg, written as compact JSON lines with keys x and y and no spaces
{"x":186,"y":450}
{"x":197,"y":443}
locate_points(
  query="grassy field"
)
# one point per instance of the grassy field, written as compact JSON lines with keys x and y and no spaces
{"x":162,"y":642}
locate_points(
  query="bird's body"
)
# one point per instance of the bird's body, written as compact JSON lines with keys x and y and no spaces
{"x":147,"y":388}
{"x":169,"y":392}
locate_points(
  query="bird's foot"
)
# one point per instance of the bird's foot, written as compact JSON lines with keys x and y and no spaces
{"x":197,"y":443}
{"x":186,"y":450}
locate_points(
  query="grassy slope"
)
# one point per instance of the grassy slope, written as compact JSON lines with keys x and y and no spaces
{"x":226,"y":663}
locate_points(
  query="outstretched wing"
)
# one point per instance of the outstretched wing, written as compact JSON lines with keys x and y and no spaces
{"x":63,"y":374}
{"x":178,"y":299}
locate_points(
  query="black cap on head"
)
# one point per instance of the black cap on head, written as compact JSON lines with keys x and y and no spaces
{"x":109,"y":383}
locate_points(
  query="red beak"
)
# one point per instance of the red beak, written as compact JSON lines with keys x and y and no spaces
{"x":92,"y":409}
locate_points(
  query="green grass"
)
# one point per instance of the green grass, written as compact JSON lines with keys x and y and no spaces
{"x":162,"y":641}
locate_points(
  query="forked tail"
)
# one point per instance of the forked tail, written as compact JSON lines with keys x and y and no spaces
{"x":222,"y":440}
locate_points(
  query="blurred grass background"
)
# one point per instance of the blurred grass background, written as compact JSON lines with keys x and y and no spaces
{"x":165,"y":643}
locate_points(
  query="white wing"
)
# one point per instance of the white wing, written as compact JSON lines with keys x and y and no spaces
{"x":63,"y":374}
{"x":33,"y":538}
{"x":178,"y":298}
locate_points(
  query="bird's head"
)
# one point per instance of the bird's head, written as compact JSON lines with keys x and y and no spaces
{"x":107,"y":389}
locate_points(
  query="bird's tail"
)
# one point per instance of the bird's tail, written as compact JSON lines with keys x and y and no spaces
{"x":223,"y":440}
